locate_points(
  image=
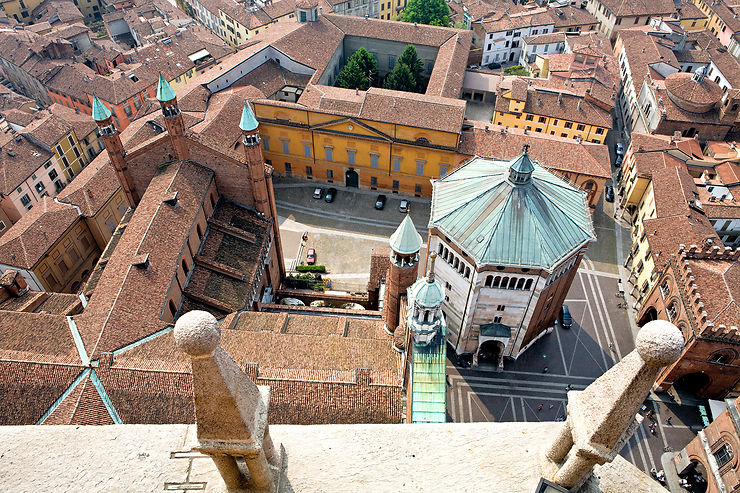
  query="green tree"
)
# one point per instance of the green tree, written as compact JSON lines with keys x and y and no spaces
{"x":401,"y":79}
{"x":433,"y":12}
{"x":359,"y":72}
{"x":410,"y":58}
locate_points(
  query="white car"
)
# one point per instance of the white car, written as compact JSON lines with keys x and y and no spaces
{"x":317,"y":193}
{"x":404,"y":207}
{"x":619,"y":149}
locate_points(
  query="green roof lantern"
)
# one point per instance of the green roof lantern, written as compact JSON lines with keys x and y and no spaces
{"x":99,"y":111}
{"x":248,"y":122}
{"x":164,"y":90}
{"x":498,"y":220}
{"x":406,"y":240}
{"x":521,"y":168}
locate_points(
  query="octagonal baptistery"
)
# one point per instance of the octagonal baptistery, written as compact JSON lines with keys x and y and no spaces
{"x":510,"y":236}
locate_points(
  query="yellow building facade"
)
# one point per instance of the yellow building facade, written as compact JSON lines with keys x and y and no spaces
{"x":354,"y":152}
{"x":643,"y":266}
{"x":70,"y":155}
{"x":67,"y":263}
{"x":713,"y":23}
{"x":20,"y":9}
{"x":237,"y":34}
{"x":550,"y":126}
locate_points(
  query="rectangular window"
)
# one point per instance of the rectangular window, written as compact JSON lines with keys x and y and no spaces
{"x":497,"y":320}
{"x":309,"y":171}
{"x":599,"y":131}
{"x":723,"y":455}
{"x":391,"y":61}
{"x":351,"y":156}
{"x":396,"y":164}
{"x":71,"y":140}
{"x":530,"y":118}
{"x":265,"y":142}
{"x":286,"y":146}
{"x":373,"y":181}
{"x":50,"y":279}
{"x":77,"y":153}
{"x":420,"y":167}
{"x":581,"y":127}
{"x":306,"y":149}
{"x":568,"y":124}
{"x":73,"y":255}
{"x":443,"y":169}
{"x":374,"y":160}
{"x":329,"y":153}
{"x":40,"y":187}
{"x":65,"y":161}
{"x":59,"y":150}
{"x":395,"y":184}
{"x":330,"y":174}
{"x":25,"y":200}
{"x":542,"y":119}
{"x":417,"y":189}
{"x":288,"y":169}
{"x":62,"y":265}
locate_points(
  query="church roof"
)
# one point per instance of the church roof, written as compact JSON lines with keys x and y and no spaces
{"x":248,"y":121}
{"x":406,"y":240}
{"x":164,"y":90}
{"x":497,"y":222}
{"x":99,"y":111}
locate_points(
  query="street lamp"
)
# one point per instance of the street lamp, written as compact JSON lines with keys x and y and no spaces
{"x":546,"y":486}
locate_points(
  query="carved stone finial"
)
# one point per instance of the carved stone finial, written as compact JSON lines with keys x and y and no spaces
{"x":197,"y":333}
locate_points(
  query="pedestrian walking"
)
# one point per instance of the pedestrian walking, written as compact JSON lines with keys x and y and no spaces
{"x":539,"y":408}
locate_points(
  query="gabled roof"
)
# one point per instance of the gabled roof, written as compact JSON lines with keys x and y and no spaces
{"x":496,"y":222}
{"x":406,"y":240}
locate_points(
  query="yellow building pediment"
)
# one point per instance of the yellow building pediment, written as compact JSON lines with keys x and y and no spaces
{"x":351,"y":126}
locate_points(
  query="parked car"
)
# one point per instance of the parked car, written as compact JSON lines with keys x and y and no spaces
{"x":317,"y":193}
{"x":618,"y":161}
{"x":619,"y":149}
{"x":404,"y":207}
{"x":565,"y":319}
{"x":609,"y":194}
{"x":494,"y":65}
{"x":380,"y":202}
{"x":331,"y":194}
{"x":474,"y":67}
{"x":311,"y":256}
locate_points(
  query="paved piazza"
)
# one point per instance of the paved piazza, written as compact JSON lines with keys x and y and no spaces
{"x":345,"y":232}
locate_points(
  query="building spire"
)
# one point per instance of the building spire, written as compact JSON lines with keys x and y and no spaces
{"x":248,"y":122}
{"x":430,"y":275}
{"x":100,"y":112}
{"x":164,"y":90}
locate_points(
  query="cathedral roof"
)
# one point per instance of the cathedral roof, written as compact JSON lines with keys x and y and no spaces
{"x":406,"y":240}
{"x":427,"y":292}
{"x":499,"y":222}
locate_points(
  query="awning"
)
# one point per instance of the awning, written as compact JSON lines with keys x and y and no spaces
{"x":199,"y":55}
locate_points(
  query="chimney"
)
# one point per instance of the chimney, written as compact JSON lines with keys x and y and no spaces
{"x":560,"y":98}
{"x":579,"y":106}
{"x":12,"y":285}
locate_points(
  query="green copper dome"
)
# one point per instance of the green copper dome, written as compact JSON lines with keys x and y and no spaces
{"x":406,"y":240}
{"x":164,"y":90}
{"x":427,"y":292}
{"x":99,"y":111}
{"x":501,"y":221}
{"x":248,"y":122}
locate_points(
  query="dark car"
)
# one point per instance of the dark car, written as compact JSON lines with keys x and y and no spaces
{"x":494,"y":65}
{"x":565,"y":319}
{"x":380,"y":202}
{"x":330,"y":194}
{"x":609,"y":194}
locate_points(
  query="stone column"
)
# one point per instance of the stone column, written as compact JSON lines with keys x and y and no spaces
{"x":230,"y":410}
{"x":602,"y":417}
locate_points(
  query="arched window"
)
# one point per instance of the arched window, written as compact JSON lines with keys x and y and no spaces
{"x":520,"y":284}
{"x":504,"y":282}
{"x":173,"y":309}
{"x":528,"y":284}
{"x":723,"y":357}
{"x":672,"y":311}
{"x":184,"y":267}
{"x":489,"y":280}
{"x":440,"y":248}
{"x":512,"y":283}
{"x":496,"y":281}
{"x":457,"y":263}
{"x":467,"y":272}
{"x":665,"y":288}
